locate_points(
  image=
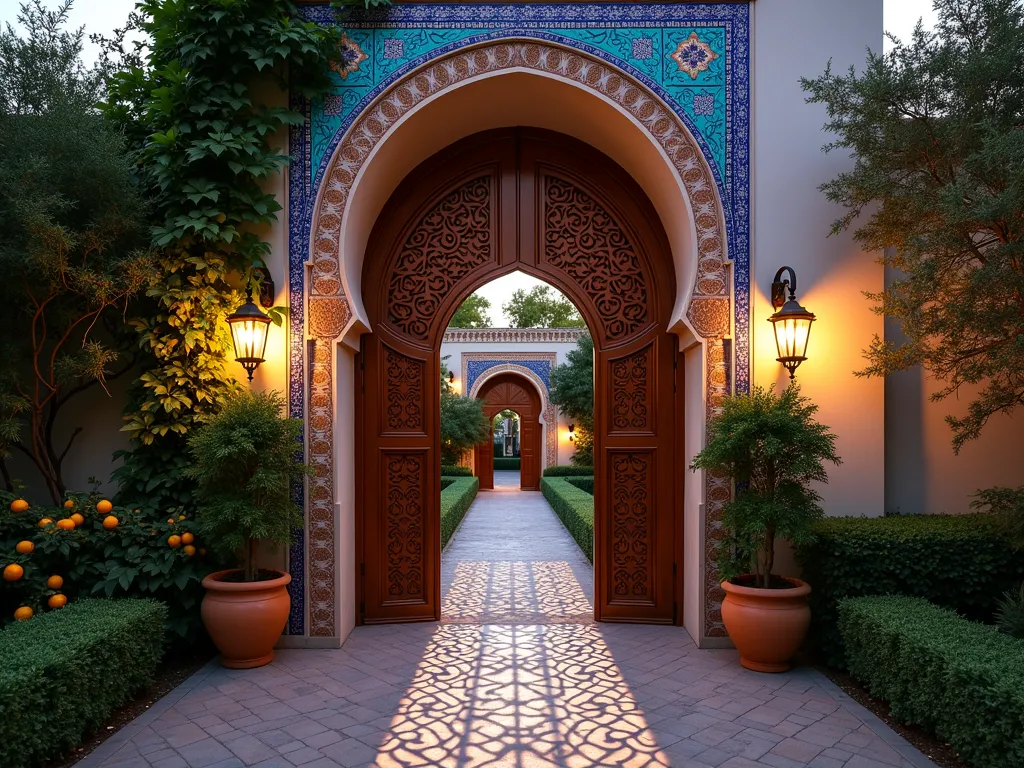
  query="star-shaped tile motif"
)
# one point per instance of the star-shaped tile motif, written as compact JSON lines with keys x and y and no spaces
{"x":693,"y":56}
{"x":350,"y":56}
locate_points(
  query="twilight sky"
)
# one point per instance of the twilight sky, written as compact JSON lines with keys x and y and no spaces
{"x":104,"y":15}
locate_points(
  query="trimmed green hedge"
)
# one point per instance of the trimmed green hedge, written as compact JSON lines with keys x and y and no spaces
{"x":448,"y":470}
{"x":64,"y":672}
{"x":455,"y":500}
{"x":567,"y":470}
{"x":961,"y":680}
{"x":575,"y":508}
{"x":505,"y":464}
{"x":961,"y":562}
{"x":583,"y":483}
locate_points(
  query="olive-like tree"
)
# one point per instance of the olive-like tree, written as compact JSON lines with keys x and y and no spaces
{"x":72,"y":239}
{"x":937,"y":185}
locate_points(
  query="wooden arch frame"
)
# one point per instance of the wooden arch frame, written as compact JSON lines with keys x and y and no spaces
{"x":530,"y":433}
{"x":555,"y":208}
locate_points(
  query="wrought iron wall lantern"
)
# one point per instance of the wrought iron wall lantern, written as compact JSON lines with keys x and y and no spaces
{"x":791,"y":322}
{"x":249,"y":326}
{"x":451,"y":377}
{"x":572,"y":432}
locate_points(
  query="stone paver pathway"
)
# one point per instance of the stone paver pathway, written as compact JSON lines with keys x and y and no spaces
{"x":517,"y":674}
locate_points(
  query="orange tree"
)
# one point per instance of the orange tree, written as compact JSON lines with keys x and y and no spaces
{"x":87,"y":547}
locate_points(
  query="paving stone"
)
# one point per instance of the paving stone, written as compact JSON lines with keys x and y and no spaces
{"x":517,"y":672}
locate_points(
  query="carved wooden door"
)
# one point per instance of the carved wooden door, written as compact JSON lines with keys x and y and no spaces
{"x":559,"y":210}
{"x":529,"y":453}
{"x":483,"y":461}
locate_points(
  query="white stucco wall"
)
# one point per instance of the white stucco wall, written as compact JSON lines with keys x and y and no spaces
{"x":790,"y":221}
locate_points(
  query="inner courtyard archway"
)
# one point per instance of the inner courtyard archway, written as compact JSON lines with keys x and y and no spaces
{"x":555,"y":208}
{"x":512,"y":392}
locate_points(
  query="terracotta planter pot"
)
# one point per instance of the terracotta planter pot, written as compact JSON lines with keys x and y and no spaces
{"x":245,"y":619}
{"x":767,"y":626}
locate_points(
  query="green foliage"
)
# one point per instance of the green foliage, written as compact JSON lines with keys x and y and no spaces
{"x":934,"y":125}
{"x":507,"y":464}
{"x":572,"y":390}
{"x":200,"y":104}
{"x":542,"y":307}
{"x":1010,"y":613}
{"x":131,"y":560}
{"x":575,"y":508}
{"x":63,"y":674}
{"x":463,"y":425}
{"x":448,"y":470}
{"x":583,"y":483}
{"x":963,"y":562}
{"x":244,"y":462}
{"x":1007,"y":505}
{"x":72,"y":230}
{"x":472,"y":313}
{"x":455,"y":500}
{"x":773,"y":449}
{"x":563,"y":470}
{"x":960,"y":680}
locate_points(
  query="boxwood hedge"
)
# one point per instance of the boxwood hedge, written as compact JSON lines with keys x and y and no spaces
{"x":63,"y":673}
{"x":961,"y":562}
{"x":455,"y":500}
{"x":512,"y":463}
{"x":563,"y":470}
{"x":583,"y":483}
{"x":575,"y":508}
{"x":961,"y":680}
{"x":449,"y":470}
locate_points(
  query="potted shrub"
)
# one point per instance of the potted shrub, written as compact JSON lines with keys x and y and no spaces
{"x":773,"y":449}
{"x":244,"y":462}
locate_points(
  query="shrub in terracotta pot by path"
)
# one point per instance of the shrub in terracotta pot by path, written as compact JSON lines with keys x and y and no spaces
{"x":244,"y":464}
{"x":772,"y":448}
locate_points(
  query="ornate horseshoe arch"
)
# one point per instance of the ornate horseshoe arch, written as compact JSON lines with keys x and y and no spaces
{"x":549,"y":414}
{"x":329,"y":313}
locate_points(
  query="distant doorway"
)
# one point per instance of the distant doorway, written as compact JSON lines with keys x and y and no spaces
{"x":512,"y":392}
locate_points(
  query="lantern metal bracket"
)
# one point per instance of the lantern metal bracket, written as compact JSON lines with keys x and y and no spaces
{"x":779,"y":287}
{"x":267,"y":291}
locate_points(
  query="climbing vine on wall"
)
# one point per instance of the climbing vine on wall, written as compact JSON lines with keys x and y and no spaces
{"x":204,"y":100}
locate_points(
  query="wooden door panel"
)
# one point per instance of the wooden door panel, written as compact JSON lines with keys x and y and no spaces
{"x":528,"y":457}
{"x":484,"y":461}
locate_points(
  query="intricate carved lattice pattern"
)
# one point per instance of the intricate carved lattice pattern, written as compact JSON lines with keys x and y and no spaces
{"x":404,"y":532}
{"x":404,"y":399}
{"x":632,"y":502}
{"x":583,"y":240}
{"x":631,"y":392}
{"x":448,"y":243}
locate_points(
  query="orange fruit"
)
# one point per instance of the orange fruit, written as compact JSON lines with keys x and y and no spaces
{"x":25,"y":547}
{"x":181,"y":517}
{"x":45,"y":522}
{"x":187,"y":538}
{"x":23,"y":614}
{"x":69,"y":504}
{"x":170,"y":521}
{"x":19,"y":505}
{"x":78,"y":519}
{"x":57,"y":601}
{"x":104,"y":507}
{"x":174,"y":541}
{"x":190,"y":550}
{"x":110,"y":522}
{"x":13,"y":572}
{"x":67,"y":524}
{"x":55,"y":582}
